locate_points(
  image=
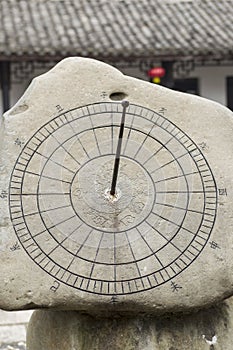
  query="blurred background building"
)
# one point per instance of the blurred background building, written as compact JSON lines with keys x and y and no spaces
{"x":191,"y":39}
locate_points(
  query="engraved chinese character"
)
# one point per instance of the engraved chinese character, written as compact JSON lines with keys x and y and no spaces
{"x":162,"y":110}
{"x":103,"y":94}
{"x":55,"y":286}
{"x":214,"y":245}
{"x":15,"y":246}
{"x":222,"y":192}
{"x":3,"y":194}
{"x":113,"y":299}
{"x":59,"y":108}
{"x":175,"y":287}
{"x":203,"y":146}
{"x":18,"y":142}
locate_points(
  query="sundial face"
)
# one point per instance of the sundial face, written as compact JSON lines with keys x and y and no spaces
{"x":155,"y":226}
{"x":116,"y":196}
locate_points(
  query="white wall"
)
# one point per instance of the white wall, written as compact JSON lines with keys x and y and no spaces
{"x":13,"y":327}
{"x":212,"y":82}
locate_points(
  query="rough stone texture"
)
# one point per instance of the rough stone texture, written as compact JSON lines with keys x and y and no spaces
{"x":86,"y":251}
{"x":205,"y":330}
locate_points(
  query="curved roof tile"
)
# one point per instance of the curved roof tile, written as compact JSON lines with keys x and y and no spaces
{"x":116,"y":28}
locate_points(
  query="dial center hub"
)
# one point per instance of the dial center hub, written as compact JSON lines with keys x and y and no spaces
{"x":93,"y":203}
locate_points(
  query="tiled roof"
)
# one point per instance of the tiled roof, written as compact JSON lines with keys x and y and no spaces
{"x":116,"y":28}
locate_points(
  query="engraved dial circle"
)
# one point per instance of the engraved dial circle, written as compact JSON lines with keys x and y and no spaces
{"x":154,"y":227}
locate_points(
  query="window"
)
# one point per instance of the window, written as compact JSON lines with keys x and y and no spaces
{"x":189,"y":85}
{"x":229,"y":82}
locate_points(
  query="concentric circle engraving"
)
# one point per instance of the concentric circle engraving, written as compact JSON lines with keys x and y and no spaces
{"x":68,"y":223}
{"x":92,"y":202}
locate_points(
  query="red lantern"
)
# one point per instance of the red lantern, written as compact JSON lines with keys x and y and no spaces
{"x":158,"y":72}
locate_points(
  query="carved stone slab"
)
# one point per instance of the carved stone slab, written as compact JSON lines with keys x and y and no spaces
{"x":162,"y":243}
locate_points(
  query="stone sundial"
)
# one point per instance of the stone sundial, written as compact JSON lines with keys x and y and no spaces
{"x":116,"y":194}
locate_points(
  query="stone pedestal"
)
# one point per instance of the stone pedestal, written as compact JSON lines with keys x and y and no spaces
{"x":204,"y":330}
